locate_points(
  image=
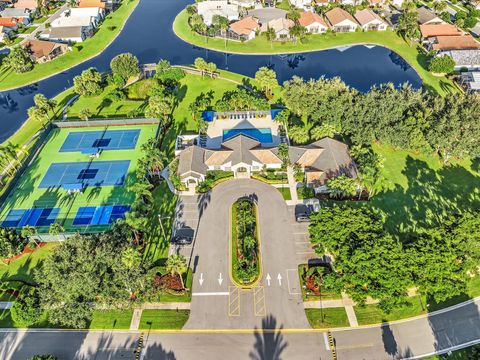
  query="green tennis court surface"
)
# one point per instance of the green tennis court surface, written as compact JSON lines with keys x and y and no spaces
{"x":80,"y":191}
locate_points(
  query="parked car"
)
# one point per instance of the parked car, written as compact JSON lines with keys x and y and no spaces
{"x":302,"y":217}
{"x":182,"y":240}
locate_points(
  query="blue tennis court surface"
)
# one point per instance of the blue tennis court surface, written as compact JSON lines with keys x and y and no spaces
{"x":261,"y":135}
{"x":100,"y":215}
{"x":31,"y":217}
{"x":96,"y":173}
{"x":106,"y":140}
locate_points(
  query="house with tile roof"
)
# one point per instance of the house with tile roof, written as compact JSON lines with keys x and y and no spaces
{"x":244,"y":29}
{"x":313,"y":22}
{"x":341,"y":21}
{"x":432,"y":30}
{"x":42,"y":51}
{"x":464,"y":59}
{"x":92,"y":4}
{"x":426,"y":16}
{"x":208,"y":9}
{"x":370,"y":21}
{"x":281,"y":27}
{"x":464,"y":42}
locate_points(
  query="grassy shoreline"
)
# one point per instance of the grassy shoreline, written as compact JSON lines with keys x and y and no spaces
{"x":81,"y":52}
{"x":261,"y":46}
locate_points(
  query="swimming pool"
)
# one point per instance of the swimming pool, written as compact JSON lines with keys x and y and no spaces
{"x":262,"y":135}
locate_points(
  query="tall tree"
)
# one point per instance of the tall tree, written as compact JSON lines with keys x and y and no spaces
{"x":176,"y":264}
{"x":19,"y":60}
{"x":267,"y":79}
{"x":124,"y":67}
{"x":88,"y":83}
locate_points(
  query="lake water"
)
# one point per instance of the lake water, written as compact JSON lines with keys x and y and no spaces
{"x":148,"y":34}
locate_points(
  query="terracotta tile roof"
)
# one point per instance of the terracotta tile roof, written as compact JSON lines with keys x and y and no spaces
{"x":281,"y":24}
{"x":308,"y":18}
{"x":337,"y":15}
{"x":26,"y":4}
{"x":39,"y":48}
{"x":9,"y":22}
{"x":455,"y":43}
{"x":91,"y":3}
{"x":366,"y":16}
{"x":245,"y":26}
{"x":430,"y":30}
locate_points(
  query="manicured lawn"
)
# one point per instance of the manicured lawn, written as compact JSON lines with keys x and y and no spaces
{"x":27,"y":194}
{"x":422,"y":190}
{"x":163,"y":319}
{"x":285,"y":191}
{"x":185,"y":296}
{"x":22,"y":268}
{"x":111,"y":319}
{"x":157,"y":242}
{"x":371,"y":314}
{"x":109,"y":29}
{"x":412,"y":54}
{"x":332,"y":317}
{"x":6,"y":321}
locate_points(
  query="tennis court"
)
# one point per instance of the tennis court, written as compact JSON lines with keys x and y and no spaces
{"x":95,"y":173}
{"x":84,"y":141}
{"x":31,"y":217}
{"x":99,"y":215}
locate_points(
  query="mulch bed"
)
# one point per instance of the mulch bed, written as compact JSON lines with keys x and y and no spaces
{"x":168,"y":281}
{"x":26,"y":250}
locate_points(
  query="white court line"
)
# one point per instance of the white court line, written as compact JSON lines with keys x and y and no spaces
{"x":327,"y":345}
{"x":220,"y":293}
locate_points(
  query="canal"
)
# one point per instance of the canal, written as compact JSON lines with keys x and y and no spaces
{"x":148,"y":34}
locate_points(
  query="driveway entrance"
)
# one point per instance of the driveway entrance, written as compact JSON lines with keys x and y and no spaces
{"x":216,"y":302}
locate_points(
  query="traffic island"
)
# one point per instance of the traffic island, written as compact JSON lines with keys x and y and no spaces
{"x":245,"y":256}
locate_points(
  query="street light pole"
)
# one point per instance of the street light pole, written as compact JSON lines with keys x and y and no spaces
{"x":160,"y":218}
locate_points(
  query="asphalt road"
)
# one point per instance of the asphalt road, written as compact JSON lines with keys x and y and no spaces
{"x":404,"y":340}
{"x":216,"y":302}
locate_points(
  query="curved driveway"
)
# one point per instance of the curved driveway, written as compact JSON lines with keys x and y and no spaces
{"x":218,"y":304}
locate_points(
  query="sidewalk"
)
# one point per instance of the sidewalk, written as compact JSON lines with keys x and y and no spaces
{"x":345,"y":302}
{"x":292,"y":184}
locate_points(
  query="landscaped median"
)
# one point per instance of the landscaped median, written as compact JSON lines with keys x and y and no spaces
{"x":245,"y":257}
{"x":413,"y":54}
{"x":108,"y":31}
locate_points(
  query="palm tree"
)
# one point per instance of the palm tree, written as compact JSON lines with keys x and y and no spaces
{"x":142,"y":190}
{"x":28,"y":231}
{"x":267,"y":78}
{"x":270,"y":33}
{"x":55,"y":229}
{"x":200,"y":64}
{"x":131,"y":257}
{"x":85,"y":114}
{"x":177,"y":264}
{"x":137,"y":222}
{"x":211,"y":68}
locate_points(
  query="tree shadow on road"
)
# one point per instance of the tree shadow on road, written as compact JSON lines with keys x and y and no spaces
{"x":389,"y":343}
{"x":269,"y":342}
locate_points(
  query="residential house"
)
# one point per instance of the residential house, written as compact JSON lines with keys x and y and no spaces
{"x":243,"y":155}
{"x":323,"y":160}
{"x":426,"y":16}
{"x":208,"y":9}
{"x":313,"y":22}
{"x":397,"y":3}
{"x":464,"y":42}
{"x":464,"y":59}
{"x":433,"y":30}
{"x":370,"y":21}
{"x":265,"y":15}
{"x":301,"y":4}
{"x":43,"y":51}
{"x":4,"y":33}
{"x":244,"y":3}
{"x":26,"y":4}
{"x":323,"y":2}
{"x":84,"y":17}
{"x":470,"y":81}
{"x":244,"y":29}
{"x":350,"y":2}
{"x":341,"y":21}
{"x":92,"y":4}
{"x":24,"y":14}
{"x":68,"y":34}
{"x":10,"y":23}
{"x":281,"y":27}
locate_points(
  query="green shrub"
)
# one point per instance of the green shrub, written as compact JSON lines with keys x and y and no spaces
{"x":306,"y":192}
{"x":141,"y":89}
{"x":11,"y":242}
{"x":43,"y":357}
{"x":26,"y":310}
{"x":442,"y":65}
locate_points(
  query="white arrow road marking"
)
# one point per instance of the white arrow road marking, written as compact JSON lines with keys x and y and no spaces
{"x":201,"y":279}
{"x":220,"y":279}
{"x":268,"y":278}
{"x":279,"y":277}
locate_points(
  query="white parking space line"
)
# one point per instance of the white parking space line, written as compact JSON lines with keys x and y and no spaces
{"x":220,"y":293}
{"x":288,"y":282}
